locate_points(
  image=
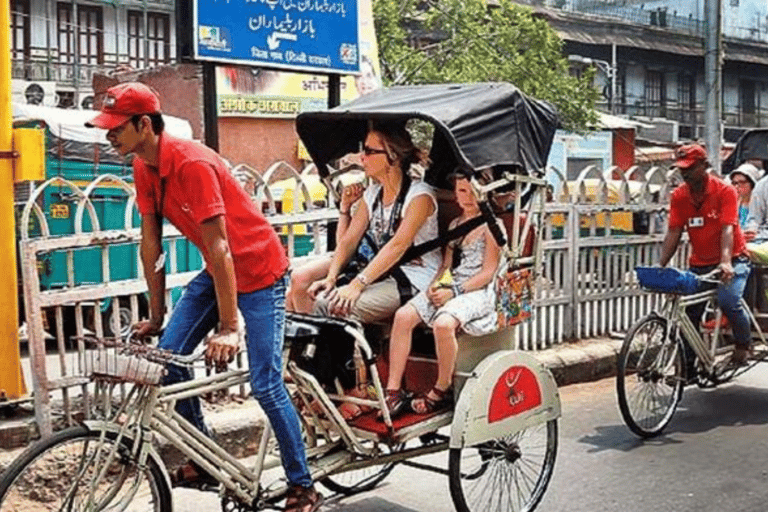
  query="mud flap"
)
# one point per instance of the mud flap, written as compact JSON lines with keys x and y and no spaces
{"x":507,"y":392}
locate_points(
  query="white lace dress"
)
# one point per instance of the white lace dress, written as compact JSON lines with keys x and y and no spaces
{"x":475,"y":310}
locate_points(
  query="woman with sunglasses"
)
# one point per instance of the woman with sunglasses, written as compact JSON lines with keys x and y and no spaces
{"x":395,"y":213}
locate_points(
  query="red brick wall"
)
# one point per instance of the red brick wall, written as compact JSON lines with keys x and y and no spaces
{"x":624,"y":148}
{"x":180,"y":88}
{"x":258,"y":142}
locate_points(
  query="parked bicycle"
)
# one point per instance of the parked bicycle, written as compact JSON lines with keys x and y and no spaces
{"x":652,"y":365}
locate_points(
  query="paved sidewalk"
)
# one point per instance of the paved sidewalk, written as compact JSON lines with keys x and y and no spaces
{"x":237,"y":425}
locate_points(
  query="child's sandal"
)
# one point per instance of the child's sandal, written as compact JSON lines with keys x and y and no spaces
{"x":425,"y":404}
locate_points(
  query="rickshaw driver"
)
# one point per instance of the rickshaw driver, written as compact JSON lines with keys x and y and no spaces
{"x":190,"y":185}
{"x":707,"y":208}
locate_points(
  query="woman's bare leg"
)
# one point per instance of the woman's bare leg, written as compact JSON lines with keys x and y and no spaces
{"x":297,"y":299}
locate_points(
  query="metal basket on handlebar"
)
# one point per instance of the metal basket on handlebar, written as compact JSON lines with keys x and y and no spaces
{"x":667,"y":280}
{"x":125,"y":362}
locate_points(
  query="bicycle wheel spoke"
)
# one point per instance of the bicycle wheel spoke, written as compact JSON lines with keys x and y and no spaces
{"x":507,"y":474}
{"x":649,"y":380}
{"x":80,"y":472}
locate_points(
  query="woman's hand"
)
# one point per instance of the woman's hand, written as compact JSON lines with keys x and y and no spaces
{"x":221,"y":349}
{"x":439,"y":296}
{"x":345,"y":298}
{"x":324,"y":285}
{"x":350,"y":195}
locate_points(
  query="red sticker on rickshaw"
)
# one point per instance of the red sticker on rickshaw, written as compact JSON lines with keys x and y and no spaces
{"x":516,"y":391}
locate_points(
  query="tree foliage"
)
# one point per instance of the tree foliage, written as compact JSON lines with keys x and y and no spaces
{"x":444,"y":41}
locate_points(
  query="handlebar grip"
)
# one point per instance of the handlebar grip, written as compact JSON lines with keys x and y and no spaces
{"x":490,"y":219}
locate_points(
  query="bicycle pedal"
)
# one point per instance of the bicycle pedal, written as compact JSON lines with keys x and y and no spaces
{"x":206,"y":487}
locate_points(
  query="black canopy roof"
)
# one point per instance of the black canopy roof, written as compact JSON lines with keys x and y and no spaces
{"x":476,"y":126}
{"x":753,"y":144}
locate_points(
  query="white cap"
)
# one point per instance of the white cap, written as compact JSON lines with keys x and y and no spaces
{"x":749,"y":171}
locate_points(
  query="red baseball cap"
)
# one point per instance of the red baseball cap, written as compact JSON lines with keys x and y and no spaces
{"x":689,"y":155}
{"x":124,"y":101}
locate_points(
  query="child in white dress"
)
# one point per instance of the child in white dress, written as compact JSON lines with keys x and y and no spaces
{"x":466,"y":302}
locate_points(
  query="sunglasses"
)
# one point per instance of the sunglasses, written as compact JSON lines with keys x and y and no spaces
{"x":373,"y":151}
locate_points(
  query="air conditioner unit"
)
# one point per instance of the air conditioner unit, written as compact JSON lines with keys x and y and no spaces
{"x":34,"y":92}
{"x":661,"y":130}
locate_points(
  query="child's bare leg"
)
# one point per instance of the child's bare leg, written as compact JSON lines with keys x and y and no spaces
{"x":446,"y":347}
{"x":297,"y":298}
{"x":406,"y":318}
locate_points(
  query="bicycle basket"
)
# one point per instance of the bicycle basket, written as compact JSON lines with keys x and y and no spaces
{"x":126,"y":363}
{"x":667,"y":280}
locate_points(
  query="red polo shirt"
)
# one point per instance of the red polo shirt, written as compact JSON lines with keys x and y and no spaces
{"x":198,"y":187}
{"x":704,"y":224}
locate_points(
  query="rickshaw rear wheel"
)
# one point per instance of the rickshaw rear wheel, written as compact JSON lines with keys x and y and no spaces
{"x":650,"y":376}
{"x":524,"y":460}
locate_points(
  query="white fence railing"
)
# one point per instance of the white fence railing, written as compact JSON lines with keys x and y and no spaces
{"x":586,"y":287}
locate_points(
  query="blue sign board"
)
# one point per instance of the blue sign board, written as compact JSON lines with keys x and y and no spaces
{"x":305,"y":35}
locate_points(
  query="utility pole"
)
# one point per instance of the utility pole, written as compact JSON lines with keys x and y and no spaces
{"x":713,"y":59}
{"x":11,"y":377}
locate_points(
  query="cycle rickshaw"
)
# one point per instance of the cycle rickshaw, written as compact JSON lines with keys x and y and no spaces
{"x":653,"y":363}
{"x":502,"y":433}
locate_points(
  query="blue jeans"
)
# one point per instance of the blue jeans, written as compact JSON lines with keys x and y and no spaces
{"x":729,"y":300}
{"x":196,"y":314}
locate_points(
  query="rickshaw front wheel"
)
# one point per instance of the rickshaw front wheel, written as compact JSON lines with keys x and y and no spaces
{"x":524,"y":460}
{"x":360,"y":480}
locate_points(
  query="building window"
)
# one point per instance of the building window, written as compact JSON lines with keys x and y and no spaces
{"x":686,"y":97}
{"x":747,"y":102}
{"x":20,"y":36}
{"x":90,"y":34}
{"x":620,"y":104}
{"x":158,"y":39}
{"x":654,"y":93}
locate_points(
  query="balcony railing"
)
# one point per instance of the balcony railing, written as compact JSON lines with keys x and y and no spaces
{"x":66,"y":74}
{"x":664,"y":18}
{"x":690,"y":117}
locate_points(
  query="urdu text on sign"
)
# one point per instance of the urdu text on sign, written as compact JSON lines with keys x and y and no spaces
{"x":304,"y":35}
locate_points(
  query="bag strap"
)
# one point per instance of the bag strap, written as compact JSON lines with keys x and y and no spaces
{"x":461,"y":230}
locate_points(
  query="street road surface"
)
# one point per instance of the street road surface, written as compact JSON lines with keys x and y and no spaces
{"x":713,"y":457}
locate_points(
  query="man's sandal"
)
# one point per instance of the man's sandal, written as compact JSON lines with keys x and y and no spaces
{"x":303,"y":499}
{"x":190,"y":475}
{"x":425,"y":404}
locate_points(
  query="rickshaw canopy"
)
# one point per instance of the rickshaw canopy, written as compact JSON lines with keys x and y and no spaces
{"x":752,"y":145}
{"x":477,"y":126}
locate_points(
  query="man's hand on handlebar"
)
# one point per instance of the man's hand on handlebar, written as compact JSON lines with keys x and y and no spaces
{"x":145,"y":329}
{"x":221,"y":349}
{"x":726,"y":271}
